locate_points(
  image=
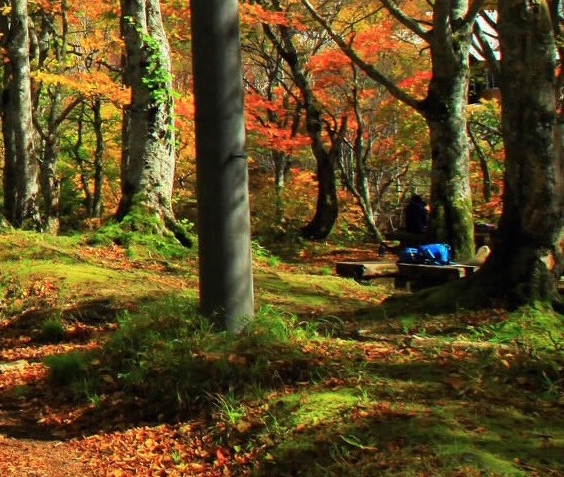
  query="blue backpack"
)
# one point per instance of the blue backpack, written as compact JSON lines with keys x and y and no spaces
{"x":430,"y":254}
{"x":435,"y":253}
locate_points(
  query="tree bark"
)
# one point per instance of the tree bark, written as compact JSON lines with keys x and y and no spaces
{"x":451,"y":197}
{"x":444,"y":110}
{"x":91,"y":173}
{"x":224,"y":231}
{"x":147,"y":171}
{"x":527,"y":259}
{"x":49,"y":114}
{"x":282,"y":163}
{"x":21,"y":167}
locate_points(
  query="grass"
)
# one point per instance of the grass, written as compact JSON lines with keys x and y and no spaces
{"x":315,"y":399}
{"x":301,"y":391}
{"x":53,"y":330}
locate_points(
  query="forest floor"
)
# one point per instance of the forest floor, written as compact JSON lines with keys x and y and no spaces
{"x":450,"y":395}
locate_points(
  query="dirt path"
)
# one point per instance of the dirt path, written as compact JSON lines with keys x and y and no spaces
{"x":26,"y":447}
{"x":35,"y":458}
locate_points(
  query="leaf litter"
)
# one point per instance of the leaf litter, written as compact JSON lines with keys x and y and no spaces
{"x":409,"y":382}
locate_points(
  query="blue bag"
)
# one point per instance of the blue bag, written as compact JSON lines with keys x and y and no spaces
{"x":435,"y":254}
{"x":410,"y":255}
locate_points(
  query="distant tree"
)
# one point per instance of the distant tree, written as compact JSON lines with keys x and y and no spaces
{"x":273,"y":110}
{"x":91,"y":172}
{"x":326,"y":143}
{"x":20,"y":156}
{"x":224,"y":232}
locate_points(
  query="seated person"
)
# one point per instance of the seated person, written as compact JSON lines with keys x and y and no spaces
{"x":416,"y":215}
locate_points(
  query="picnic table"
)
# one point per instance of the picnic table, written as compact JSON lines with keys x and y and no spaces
{"x":409,"y":276}
{"x":415,"y":276}
{"x":366,"y":270}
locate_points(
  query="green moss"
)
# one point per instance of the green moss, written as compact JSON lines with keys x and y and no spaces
{"x":311,"y":409}
{"x":144,"y":236}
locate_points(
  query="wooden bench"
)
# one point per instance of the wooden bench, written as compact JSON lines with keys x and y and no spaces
{"x":365,"y":270}
{"x":415,"y":276}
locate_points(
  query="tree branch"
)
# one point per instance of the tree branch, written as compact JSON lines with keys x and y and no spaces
{"x":368,"y":69}
{"x":409,"y":22}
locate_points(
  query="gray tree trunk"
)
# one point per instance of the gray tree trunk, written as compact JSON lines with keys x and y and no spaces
{"x":148,"y":160}
{"x":444,"y":110}
{"x":49,"y":115}
{"x":527,"y":259}
{"x":21,"y":166}
{"x":226,"y":284}
{"x":91,"y":174}
{"x":282,"y":163}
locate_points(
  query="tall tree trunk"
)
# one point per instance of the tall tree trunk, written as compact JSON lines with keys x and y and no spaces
{"x":148,"y":161}
{"x":50,"y":184}
{"x":451,"y":196}
{"x":21,"y":168}
{"x":327,"y":205}
{"x":91,"y":173}
{"x":282,"y":162}
{"x":49,"y":114}
{"x":527,"y":259}
{"x":444,"y":110}
{"x":354,"y":171}
{"x":98,"y":175}
{"x":224,"y":231}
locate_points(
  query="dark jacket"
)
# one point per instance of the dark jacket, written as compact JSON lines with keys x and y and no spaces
{"x":416,"y":215}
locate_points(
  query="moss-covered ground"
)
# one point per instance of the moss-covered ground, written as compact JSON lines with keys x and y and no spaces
{"x":107,"y":369}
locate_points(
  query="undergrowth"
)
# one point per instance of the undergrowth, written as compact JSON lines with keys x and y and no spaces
{"x":173,"y":357}
{"x":316,"y":399}
{"x":461,"y":394}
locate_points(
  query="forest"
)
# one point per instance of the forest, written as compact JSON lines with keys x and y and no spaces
{"x":179,"y":180}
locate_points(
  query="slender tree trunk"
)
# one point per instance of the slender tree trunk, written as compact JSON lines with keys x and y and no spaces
{"x":527,"y":260}
{"x":327,"y":205}
{"x":483,"y":161}
{"x":282,"y":163}
{"x":96,"y":209}
{"x":78,"y":157}
{"x":91,"y":174}
{"x":354,"y":172}
{"x":50,"y":184}
{"x":224,"y":237}
{"x":49,"y":114}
